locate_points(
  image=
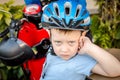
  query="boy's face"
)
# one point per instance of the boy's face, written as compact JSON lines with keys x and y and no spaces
{"x":65,"y":45}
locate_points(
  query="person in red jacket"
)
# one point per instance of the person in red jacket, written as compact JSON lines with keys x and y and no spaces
{"x":36,"y":37}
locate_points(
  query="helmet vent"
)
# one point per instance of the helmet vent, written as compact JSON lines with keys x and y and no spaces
{"x":78,"y":11}
{"x":56,"y":9}
{"x":67,"y":8}
{"x":49,"y":10}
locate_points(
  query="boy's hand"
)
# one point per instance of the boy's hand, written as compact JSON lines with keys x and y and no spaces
{"x":84,"y":44}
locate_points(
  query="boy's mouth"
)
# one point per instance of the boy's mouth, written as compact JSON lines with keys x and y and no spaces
{"x":65,"y":57}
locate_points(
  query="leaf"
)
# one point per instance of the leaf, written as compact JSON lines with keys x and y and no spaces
{"x":94,"y":24}
{"x":1,"y":16}
{"x":1,"y":64}
{"x":20,"y":72}
{"x":117,"y":35}
{"x":3,"y":75}
{"x":17,"y":16}
{"x":7,"y":15}
{"x":9,"y":67}
{"x":7,"y":21}
{"x":10,"y":2}
{"x":3,"y":25}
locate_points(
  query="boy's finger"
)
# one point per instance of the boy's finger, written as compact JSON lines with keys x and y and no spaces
{"x":84,"y":33}
{"x":81,"y":41}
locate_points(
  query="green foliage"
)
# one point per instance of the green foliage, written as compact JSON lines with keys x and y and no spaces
{"x":106,"y":25}
{"x":8,"y":11}
{"x":10,"y":73}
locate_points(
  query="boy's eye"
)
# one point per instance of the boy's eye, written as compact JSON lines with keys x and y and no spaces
{"x":71,"y":43}
{"x":58,"y":43}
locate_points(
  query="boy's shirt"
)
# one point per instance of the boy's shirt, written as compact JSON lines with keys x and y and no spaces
{"x":76,"y":68}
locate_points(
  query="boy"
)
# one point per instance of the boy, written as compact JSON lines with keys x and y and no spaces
{"x":72,"y":55}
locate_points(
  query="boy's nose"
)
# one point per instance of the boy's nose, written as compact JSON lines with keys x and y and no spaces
{"x":64,"y":48}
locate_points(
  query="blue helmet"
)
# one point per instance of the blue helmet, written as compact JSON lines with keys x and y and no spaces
{"x":66,"y":14}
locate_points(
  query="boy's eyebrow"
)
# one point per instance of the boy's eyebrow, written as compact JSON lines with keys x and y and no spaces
{"x":56,"y":40}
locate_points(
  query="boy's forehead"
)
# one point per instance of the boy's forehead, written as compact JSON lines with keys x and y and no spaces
{"x":65,"y":31}
{"x":69,"y":34}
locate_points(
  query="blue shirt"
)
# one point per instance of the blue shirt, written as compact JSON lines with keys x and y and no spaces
{"x":76,"y":68}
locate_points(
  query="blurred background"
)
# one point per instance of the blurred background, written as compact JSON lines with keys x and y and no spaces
{"x":91,"y":4}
